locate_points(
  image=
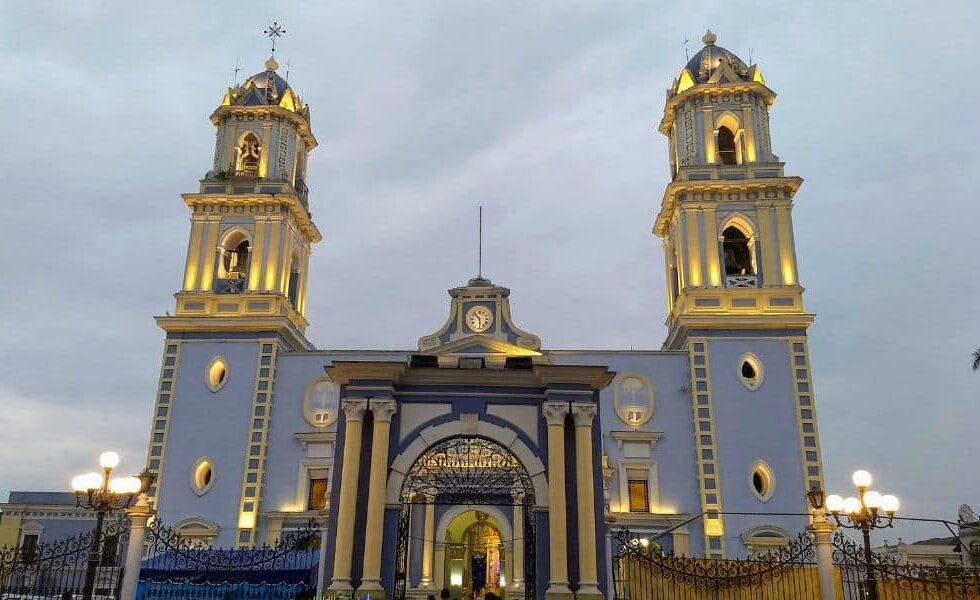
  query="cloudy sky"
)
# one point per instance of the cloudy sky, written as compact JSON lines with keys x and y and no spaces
{"x":543,"y":112}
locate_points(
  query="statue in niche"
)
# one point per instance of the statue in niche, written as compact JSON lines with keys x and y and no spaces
{"x":248,"y":156}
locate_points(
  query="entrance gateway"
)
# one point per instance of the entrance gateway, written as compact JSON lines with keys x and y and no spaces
{"x":471,"y":473}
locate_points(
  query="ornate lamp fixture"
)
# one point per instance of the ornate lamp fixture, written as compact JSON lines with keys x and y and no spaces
{"x":105,"y":494}
{"x":869,"y":510}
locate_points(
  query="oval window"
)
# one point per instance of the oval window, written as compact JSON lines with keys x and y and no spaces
{"x":762,"y":481}
{"x":202,"y":476}
{"x":216,"y":374}
{"x":321,"y":405}
{"x":633,"y":399}
{"x":750,"y":371}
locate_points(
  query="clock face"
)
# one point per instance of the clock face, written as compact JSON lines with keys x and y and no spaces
{"x":479,"y":318}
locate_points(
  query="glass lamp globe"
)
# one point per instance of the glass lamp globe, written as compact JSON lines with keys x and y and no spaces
{"x":79,"y":483}
{"x":852,"y":506}
{"x":835,"y":503}
{"x":861,"y":478}
{"x":92,"y":480}
{"x":118,"y":485}
{"x":133,"y":485}
{"x":889,"y":503}
{"x":109,"y":460}
{"x":872,"y":499}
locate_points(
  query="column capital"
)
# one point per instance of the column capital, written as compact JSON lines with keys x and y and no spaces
{"x":554,"y":412}
{"x":383,"y":410}
{"x":584,"y":414}
{"x":354,"y":409}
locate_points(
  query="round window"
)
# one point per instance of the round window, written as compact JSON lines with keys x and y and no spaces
{"x":750,"y":371}
{"x":216,"y":374}
{"x":762,"y":481}
{"x":202,"y":475}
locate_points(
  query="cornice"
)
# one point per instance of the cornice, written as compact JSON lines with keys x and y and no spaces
{"x":720,"y":186}
{"x":650,"y":437}
{"x":711,"y":89}
{"x":268,"y":110}
{"x":208,"y":324}
{"x":292,"y":201}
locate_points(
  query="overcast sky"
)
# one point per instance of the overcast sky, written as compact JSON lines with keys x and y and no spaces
{"x":543,"y":112}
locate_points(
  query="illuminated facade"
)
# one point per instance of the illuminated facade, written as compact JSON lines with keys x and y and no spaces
{"x":481,"y":461}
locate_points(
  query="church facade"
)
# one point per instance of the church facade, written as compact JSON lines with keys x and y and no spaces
{"x":481,"y":461}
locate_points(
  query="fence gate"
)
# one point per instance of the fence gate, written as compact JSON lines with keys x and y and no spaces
{"x":176,"y":568}
{"x":58,"y":569}
{"x":892,"y":579}
{"x":641,"y":571}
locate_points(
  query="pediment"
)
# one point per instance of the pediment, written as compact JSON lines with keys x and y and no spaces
{"x":481,"y":345}
{"x":724,"y":74}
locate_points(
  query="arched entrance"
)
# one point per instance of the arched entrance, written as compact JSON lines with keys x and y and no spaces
{"x":471,"y":471}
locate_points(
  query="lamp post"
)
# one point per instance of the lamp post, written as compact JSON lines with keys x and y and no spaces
{"x":869,"y":510}
{"x":105,"y":494}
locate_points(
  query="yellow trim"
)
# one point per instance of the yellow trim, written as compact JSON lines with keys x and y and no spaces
{"x":748,"y":136}
{"x":10,"y":531}
{"x":193,"y":265}
{"x":160,"y":425}
{"x":711,"y":246}
{"x":685,"y":81}
{"x":806,"y":412}
{"x":262,"y":396}
{"x":272,"y":254}
{"x":710,"y":149}
{"x":266,"y":149}
{"x":258,"y":248}
{"x":693,"y":248}
{"x":787,"y":257}
{"x":208,"y":254}
{"x":702,"y":399}
{"x":770,"y":274}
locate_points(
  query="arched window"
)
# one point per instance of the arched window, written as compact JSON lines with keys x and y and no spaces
{"x":234,"y":254}
{"x":292,"y":289}
{"x":248,"y":156}
{"x":726,"y":146}
{"x":738,"y":252}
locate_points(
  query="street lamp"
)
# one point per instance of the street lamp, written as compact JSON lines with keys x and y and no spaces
{"x":105,"y":494}
{"x":869,"y":510}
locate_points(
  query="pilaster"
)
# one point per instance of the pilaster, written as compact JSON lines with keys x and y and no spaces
{"x":371,"y":581}
{"x":584,"y":415}
{"x":353,"y":429}
{"x":555,"y":414}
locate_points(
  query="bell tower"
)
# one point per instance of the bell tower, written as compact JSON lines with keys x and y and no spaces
{"x":735,"y":303}
{"x":251,"y":227}
{"x":725,"y":219}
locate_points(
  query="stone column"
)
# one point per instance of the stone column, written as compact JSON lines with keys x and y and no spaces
{"x":321,"y":568}
{"x":344,"y":540}
{"x":555,"y":413}
{"x":440,"y":557}
{"x":374,"y":525}
{"x":138,"y":516}
{"x":428,"y":545}
{"x":823,"y":536}
{"x":588,"y":586}
{"x":517,"y":554}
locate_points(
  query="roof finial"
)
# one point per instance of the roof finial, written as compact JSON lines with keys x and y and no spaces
{"x":479,"y":268}
{"x":271,"y":64}
{"x":709,"y":38}
{"x":273,"y":32}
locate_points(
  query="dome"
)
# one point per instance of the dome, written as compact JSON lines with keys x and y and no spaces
{"x":266,"y":88}
{"x":704,"y":63}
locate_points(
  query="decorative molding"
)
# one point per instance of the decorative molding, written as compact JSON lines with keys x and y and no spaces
{"x":554,"y":412}
{"x":584,"y":414}
{"x":160,"y":430}
{"x":383,"y":410}
{"x":806,"y":414}
{"x":354,"y":409}
{"x":315,"y":437}
{"x":650,"y":437}
{"x":253,"y":475}
{"x":709,"y":480}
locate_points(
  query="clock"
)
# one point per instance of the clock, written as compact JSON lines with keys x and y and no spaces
{"x":479,"y":318}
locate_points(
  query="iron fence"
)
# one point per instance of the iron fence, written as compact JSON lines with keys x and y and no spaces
{"x":57,"y":569}
{"x":642,"y":571}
